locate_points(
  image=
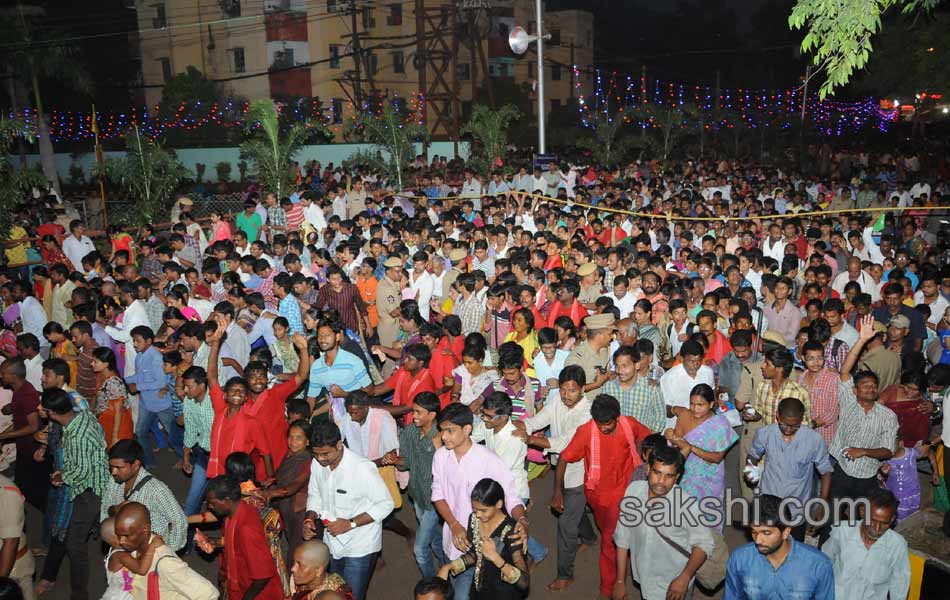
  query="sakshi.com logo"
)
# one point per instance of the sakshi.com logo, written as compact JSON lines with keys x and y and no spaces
{"x":679,"y":509}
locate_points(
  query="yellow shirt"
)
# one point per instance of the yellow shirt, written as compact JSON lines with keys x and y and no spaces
{"x":17,"y":254}
{"x":529,"y":344}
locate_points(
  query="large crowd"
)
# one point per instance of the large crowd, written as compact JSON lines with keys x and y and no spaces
{"x":350,"y":358}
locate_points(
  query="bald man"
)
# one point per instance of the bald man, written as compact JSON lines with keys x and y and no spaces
{"x":176,"y":580}
{"x":311,"y":580}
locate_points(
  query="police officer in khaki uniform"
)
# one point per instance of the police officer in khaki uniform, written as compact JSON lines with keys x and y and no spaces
{"x":590,"y":290}
{"x":388,"y":297}
{"x":457,"y":258}
{"x":12,"y":518}
{"x":593,"y":354}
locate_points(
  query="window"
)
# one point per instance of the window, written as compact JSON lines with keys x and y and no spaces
{"x":555,"y":104}
{"x":503,"y":30}
{"x":336,"y":108}
{"x":555,"y":37}
{"x":239,"y":66}
{"x":284,"y":59}
{"x":555,"y":72}
{"x":159,"y":22}
{"x":166,"y":68}
{"x":399,"y":65}
{"x":395,"y":15}
{"x":334,"y":56}
{"x":331,"y":6}
{"x":372,"y":63}
{"x":368,"y":21}
{"x":464,"y":72}
{"x":230,"y":8}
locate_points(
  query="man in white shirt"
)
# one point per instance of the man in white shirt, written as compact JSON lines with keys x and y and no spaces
{"x":421,"y":282}
{"x":472,"y":189}
{"x":338,"y":199}
{"x":563,"y":413}
{"x":854,"y":273}
{"x":863,"y":246}
{"x":347,"y":493}
{"x":370,"y":432}
{"x":135,"y":314}
{"x":77,"y":245}
{"x":313,"y":213}
{"x":236,"y":336}
{"x":833,"y":311}
{"x":28,"y":348}
{"x":32,"y":314}
{"x":928,"y":292}
{"x":678,"y":382}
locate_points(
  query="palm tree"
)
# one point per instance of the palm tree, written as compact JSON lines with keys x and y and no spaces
{"x":394,"y":129}
{"x":490,"y":127}
{"x":270,"y":149}
{"x":15,"y":184}
{"x":37,"y":55}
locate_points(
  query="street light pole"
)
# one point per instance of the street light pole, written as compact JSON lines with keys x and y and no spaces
{"x":537,"y":9}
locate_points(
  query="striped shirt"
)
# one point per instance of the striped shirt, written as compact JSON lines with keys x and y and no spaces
{"x":766,"y":401}
{"x":85,"y":466}
{"x":345,"y":302}
{"x":417,"y":452}
{"x":642,"y":401}
{"x":199,"y":417}
{"x":858,"y":428}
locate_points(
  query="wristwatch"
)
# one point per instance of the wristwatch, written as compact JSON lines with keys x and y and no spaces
{"x":352,"y":524}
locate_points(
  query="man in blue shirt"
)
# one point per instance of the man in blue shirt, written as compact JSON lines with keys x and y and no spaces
{"x":774,"y":565}
{"x":335,"y":366}
{"x":149,"y":383}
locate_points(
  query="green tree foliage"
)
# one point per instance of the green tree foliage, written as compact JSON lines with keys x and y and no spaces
{"x":839,"y":32}
{"x":37,"y":54}
{"x":669,"y":125}
{"x":489,"y":127}
{"x":15,"y":184}
{"x":272,"y":148}
{"x":393,"y":129}
{"x":148,"y":173}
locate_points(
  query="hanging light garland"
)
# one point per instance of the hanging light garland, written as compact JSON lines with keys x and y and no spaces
{"x":615,"y":96}
{"x":76,"y":126}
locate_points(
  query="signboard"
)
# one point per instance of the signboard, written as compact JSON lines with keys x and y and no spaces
{"x":542,"y":160}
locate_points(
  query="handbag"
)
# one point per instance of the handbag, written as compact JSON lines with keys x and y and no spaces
{"x":713,"y":570}
{"x":388,"y":473}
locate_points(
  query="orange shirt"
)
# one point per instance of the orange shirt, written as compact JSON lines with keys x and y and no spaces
{"x":441,"y":364}
{"x":367,"y":288}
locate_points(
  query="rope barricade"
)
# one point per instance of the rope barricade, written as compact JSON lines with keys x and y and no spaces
{"x":683,"y":218}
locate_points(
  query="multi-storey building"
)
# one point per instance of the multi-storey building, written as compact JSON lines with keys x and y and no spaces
{"x":448,"y":51}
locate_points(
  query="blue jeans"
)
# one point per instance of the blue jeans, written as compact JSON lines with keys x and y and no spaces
{"x":462,"y":583}
{"x":146,"y":419}
{"x":196,"y":491}
{"x":428,"y":541}
{"x":356,"y":571}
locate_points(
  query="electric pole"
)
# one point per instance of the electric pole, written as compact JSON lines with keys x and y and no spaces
{"x":357,"y":56}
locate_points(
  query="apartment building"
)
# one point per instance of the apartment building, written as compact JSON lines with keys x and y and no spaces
{"x":286,"y":49}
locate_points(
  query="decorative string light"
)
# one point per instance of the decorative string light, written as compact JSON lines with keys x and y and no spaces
{"x":76,"y":126}
{"x":755,"y":108}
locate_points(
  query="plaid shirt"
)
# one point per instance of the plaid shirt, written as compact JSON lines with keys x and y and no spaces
{"x":85,"y":466}
{"x":192,"y":244}
{"x":276,"y":217}
{"x":824,"y":401}
{"x":642,"y":401}
{"x":472,"y":314}
{"x":199,"y":417}
{"x":835,"y":360}
{"x":290,"y":310}
{"x":168,"y":519}
{"x":766,"y":402}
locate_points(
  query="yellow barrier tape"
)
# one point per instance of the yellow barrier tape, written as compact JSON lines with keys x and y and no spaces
{"x":876,"y":211}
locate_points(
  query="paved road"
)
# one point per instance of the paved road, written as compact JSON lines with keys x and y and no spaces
{"x":397,"y":578}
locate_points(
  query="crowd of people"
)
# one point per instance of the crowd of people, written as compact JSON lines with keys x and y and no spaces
{"x":350,"y":359}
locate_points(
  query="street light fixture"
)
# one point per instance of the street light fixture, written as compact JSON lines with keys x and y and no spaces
{"x":518,"y":40}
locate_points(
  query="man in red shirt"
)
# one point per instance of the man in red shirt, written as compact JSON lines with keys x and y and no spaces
{"x":409,"y":380}
{"x":443,"y":361}
{"x":719,"y":345}
{"x":567,"y":304}
{"x":233,"y":430}
{"x":608,"y":446}
{"x":267,"y":404}
{"x":251,"y":575}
